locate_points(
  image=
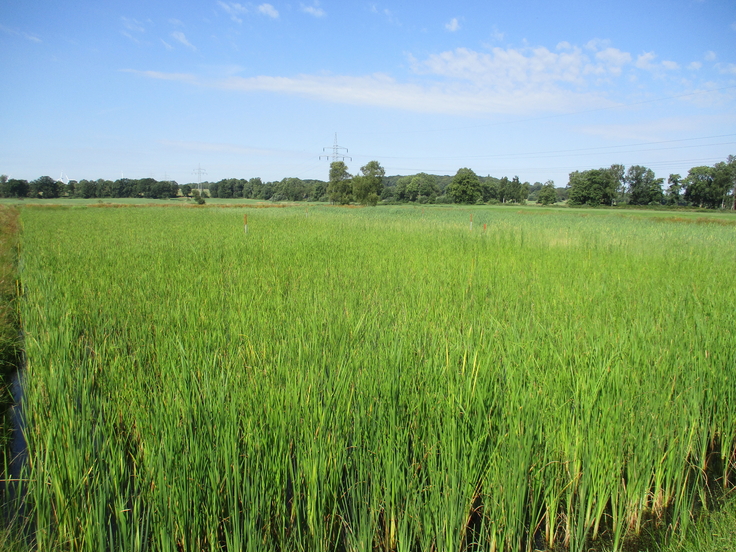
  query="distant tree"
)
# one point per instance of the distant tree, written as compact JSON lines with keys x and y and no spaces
{"x":547,"y":193}
{"x":593,"y":187}
{"x":86,"y":189}
{"x":44,"y":187}
{"x":68,"y":189}
{"x":186,"y":190}
{"x":426,"y":184}
{"x":674,"y":191}
{"x":643,"y":187}
{"x":340,"y":187}
{"x":465,"y":187}
{"x":731,"y":160}
{"x":367,"y":187}
{"x":618,"y":173}
{"x":197,"y":198}
{"x":708,"y":186}
{"x":14,"y":188}
{"x":405,"y":191}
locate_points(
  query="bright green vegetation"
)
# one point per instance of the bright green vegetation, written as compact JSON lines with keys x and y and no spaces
{"x":715,"y":532}
{"x":374,"y":379}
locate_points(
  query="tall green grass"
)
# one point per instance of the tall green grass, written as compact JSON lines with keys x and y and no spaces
{"x":373,"y":379}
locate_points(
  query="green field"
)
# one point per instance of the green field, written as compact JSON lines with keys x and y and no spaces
{"x":375,"y":379}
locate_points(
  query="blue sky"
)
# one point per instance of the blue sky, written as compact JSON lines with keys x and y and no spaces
{"x":528,"y":88}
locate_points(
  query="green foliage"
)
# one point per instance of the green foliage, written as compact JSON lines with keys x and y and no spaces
{"x":199,"y":200}
{"x":368,"y":187}
{"x":465,"y":187}
{"x":594,"y":187}
{"x":711,"y":186}
{"x":643,"y":187}
{"x":674,"y":190}
{"x":372,"y":379}
{"x":547,"y":193}
{"x":44,"y":187}
{"x":340,"y":187}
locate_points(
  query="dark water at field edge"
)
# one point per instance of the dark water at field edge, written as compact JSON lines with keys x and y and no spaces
{"x":12,"y":487}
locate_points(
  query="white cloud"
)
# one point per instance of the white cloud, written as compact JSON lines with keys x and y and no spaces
{"x":497,"y":35}
{"x":383,"y":91}
{"x":525,"y":67}
{"x":269,"y":10}
{"x":453,"y":25}
{"x":314,"y":10}
{"x":176,"y":22}
{"x":710,"y":55}
{"x":695,"y":65}
{"x":179,"y":37}
{"x":180,"y":77}
{"x":474,"y":85}
{"x":233,"y":9}
{"x":168,"y":46}
{"x":597,"y":44}
{"x":726,"y":68}
{"x":670,"y":65}
{"x":613,"y":59}
{"x":644,"y":61}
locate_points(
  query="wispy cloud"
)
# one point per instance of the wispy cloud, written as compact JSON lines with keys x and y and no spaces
{"x":525,"y":80}
{"x":384,"y":11}
{"x":181,"y":38}
{"x":168,"y":46}
{"x":132,"y":29}
{"x":180,"y":77}
{"x":132,"y":25}
{"x":269,"y":10}
{"x":314,"y":10}
{"x":694,"y":66}
{"x":648,"y":131}
{"x":28,"y":36}
{"x":176,"y":22}
{"x":233,"y":9}
{"x":710,"y":55}
{"x":496,"y":35}
{"x":452,"y":25}
{"x":217,"y":148}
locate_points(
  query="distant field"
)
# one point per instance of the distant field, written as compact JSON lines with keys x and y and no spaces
{"x":375,"y":378}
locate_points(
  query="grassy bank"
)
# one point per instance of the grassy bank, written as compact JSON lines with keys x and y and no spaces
{"x":374,"y":379}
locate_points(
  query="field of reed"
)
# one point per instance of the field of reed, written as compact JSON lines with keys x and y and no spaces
{"x":381,"y":379}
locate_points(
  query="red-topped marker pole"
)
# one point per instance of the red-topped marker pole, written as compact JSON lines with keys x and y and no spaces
{"x":245,"y":223}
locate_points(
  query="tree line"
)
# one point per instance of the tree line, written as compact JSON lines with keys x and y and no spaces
{"x":712,"y":187}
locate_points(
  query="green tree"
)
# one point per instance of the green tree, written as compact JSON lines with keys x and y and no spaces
{"x":44,"y":187}
{"x":465,"y":187}
{"x":708,"y":186}
{"x":368,"y":186}
{"x":547,"y":193}
{"x":674,"y":191}
{"x":340,"y":187}
{"x":593,"y":187}
{"x":643,"y":187}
